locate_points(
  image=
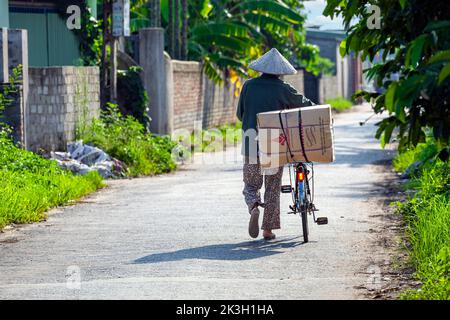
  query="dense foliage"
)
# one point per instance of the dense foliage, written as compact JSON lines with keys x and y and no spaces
{"x":126,"y":139}
{"x":412,"y":45}
{"x":132,"y":96}
{"x":227,"y":35}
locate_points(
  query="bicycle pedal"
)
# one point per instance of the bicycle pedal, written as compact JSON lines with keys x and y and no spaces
{"x":322,"y":220}
{"x":286,"y":189}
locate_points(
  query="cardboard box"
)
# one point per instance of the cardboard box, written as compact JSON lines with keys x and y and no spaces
{"x":280,"y":136}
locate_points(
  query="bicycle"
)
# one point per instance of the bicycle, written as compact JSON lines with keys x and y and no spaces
{"x":303,"y":195}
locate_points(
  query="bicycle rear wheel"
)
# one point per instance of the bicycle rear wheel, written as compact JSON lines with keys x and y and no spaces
{"x":304,"y":215}
{"x":302,"y":201}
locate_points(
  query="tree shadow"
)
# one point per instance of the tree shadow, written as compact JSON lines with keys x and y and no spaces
{"x":233,"y":251}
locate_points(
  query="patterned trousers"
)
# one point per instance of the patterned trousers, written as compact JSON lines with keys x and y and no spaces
{"x":253,"y":181}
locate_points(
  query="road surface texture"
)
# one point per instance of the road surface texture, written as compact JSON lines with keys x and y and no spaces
{"x":184,"y":236}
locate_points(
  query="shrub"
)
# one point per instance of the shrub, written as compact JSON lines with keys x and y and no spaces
{"x":125,"y":138}
{"x":420,"y":153}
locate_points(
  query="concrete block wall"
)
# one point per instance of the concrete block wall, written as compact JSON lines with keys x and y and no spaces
{"x":329,"y":88}
{"x":220,"y":103}
{"x":296,"y":80}
{"x":60,"y":100}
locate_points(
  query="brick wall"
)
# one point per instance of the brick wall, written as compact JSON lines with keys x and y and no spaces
{"x":198,"y":99}
{"x":187,"y":94}
{"x":60,"y":100}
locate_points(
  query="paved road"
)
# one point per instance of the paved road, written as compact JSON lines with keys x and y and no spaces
{"x":184,"y":236}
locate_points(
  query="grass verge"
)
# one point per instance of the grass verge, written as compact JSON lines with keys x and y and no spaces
{"x":339,"y":104}
{"x":427,"y":215}
{"x":30,"y":184}
{"x":209,"y":140}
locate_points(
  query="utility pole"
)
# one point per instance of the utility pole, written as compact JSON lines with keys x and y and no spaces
{"x":120,"y":27}
{"x":104,"y":76}
{"x":113,"y":71}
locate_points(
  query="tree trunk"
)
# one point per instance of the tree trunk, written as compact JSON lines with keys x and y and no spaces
{"x":158,"y":13}
{"x":170,"y":32}
{"x":155,"y":11}
{"x":177,"y":30}
{"x":184,"y":34}
{"x":151,"y":8}
{"x":104,"y":93}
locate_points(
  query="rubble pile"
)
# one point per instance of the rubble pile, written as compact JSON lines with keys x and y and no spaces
{"x":81,"y":158}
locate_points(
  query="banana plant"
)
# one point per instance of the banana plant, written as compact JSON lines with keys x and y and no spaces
{"x":227,"y":34}
{"x":232,"y":33}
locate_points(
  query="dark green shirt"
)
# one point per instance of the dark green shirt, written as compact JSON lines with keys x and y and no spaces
{"x":262,"y":94}
{"x":266,"y":93}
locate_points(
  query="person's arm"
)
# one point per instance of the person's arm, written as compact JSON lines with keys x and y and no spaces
{"x":295,"y":99}
{"x":240,"y":107}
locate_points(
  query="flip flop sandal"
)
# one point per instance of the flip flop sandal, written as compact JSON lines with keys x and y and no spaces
{"x":270,"y":237}
{"x":253,"y":225}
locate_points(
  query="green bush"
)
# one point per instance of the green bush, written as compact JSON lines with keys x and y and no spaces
{"x":339,"y":103}
{"x":30,"y":184}
{"x":125,"y":138}
{"x":420,"y":153}
{"x":427,"y":214}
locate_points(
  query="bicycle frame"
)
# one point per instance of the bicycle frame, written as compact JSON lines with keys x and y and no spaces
{"x":299,"y":188}
{"x":303,"y":195}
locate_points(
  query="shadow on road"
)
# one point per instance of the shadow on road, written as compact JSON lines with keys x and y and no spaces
{"x":234,"y":251}
{"x":359,"y":157}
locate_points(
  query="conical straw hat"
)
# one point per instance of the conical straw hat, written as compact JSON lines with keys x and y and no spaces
{"x":273,"y":62}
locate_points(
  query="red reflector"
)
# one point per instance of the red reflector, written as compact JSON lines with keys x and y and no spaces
{"x":300,"y":176}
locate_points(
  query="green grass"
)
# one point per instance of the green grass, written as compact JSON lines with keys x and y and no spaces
{"x":427,"y":215}
{"x":211,"y":140}
{"x":216,"y":139}
{"x":124,"y":138}
{"x":30,"y":184}
{"x":339,"y":104}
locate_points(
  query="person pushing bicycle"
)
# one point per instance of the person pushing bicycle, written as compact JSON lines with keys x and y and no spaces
{"x":262,"y":94}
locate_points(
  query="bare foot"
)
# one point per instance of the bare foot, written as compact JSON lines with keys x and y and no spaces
{"x":268,"y":235}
